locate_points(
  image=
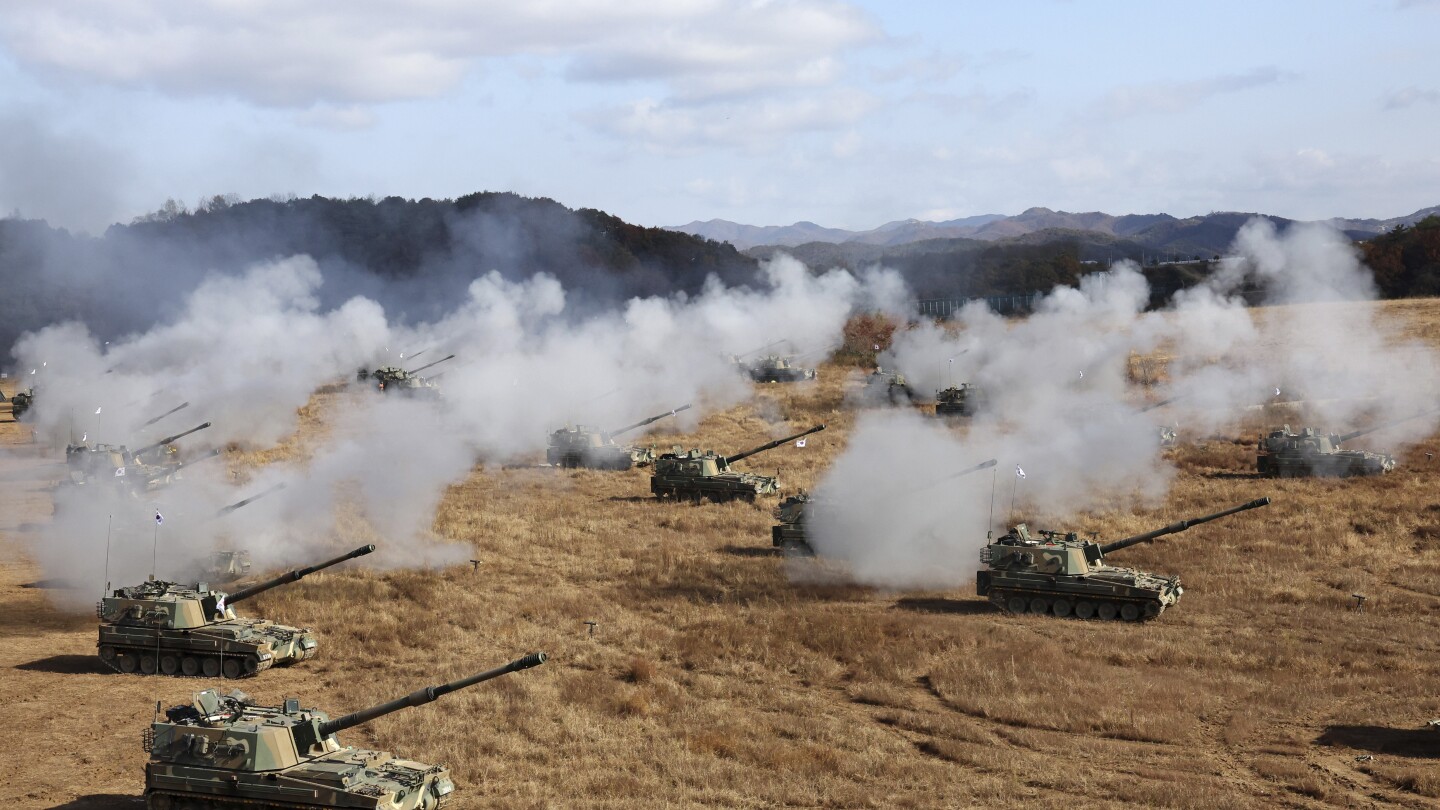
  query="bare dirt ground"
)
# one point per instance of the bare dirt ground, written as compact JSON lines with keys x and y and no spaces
{"x":709,"y":680}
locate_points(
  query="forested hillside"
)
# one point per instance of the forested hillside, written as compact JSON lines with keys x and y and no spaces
{"x":414,"y":256}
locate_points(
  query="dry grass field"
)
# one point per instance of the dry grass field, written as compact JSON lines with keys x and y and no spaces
{"x":707,"y":679}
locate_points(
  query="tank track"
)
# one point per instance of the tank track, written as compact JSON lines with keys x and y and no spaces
{"x":1107,"y":608}
{"x":172,"y":800}
{"x":698,"y":496}
{"x":144,"y":662}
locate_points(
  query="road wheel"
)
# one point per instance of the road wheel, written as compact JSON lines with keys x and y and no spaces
{"x":1039,"y":606}
{"x":107,"y":653}
{"x":1107,"y":611}
{"x":147,"y":664}
{"x":1084,"y":610}
{"x":252,"y":665}
{"x":1062,"y":607}
{"x":169,"y":664}
{"x":190,"y":665}
{"x":1015,"y":604}
{"x":210,"y":666}
{"x":128,"y":662}
{"x":1129,"y":611}
{"x":231,"y":668}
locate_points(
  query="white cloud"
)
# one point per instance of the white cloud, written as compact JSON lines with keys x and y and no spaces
{"x":1173,"y":97}
{"x":756,"y":124}
{"x":1410,"y":96}
{"x":285,"y":54}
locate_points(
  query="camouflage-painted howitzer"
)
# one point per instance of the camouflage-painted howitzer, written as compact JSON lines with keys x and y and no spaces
{"x":694,"y":475}
{"x":227,"y":753}
{"x":178,"y":629}
{"x":1060,"y":575}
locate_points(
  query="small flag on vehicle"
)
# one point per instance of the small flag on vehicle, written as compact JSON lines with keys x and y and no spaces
{"x":800,"y":443}
{"x":159,"y":518}
{"x":97,"y":411}
{"x":1019,"y":473}
{"x":119,"y":471}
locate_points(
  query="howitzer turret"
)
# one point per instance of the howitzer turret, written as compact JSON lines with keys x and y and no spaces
{"x":1289,"y":454}
{"x":191,"y":630}
{"x":1055,"y":573}
{"x":644,"y":422}
{"x":771,"y":445}
{"x":1180,"y":526}
{"x":224,"y":752}
{"x":169,"y":440}
{"x":296,"y":575}
{"x":422,"y":696}
{"x":696,"y":474}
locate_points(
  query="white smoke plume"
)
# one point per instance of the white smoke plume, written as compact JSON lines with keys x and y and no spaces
{"x":247,"y":351}
{"x":1061,"y":406}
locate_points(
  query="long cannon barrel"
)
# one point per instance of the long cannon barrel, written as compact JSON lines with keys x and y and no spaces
{"x":1180,"y":526}
{"x":292,"y":576}
{"x":427,"y":365}
{"x":771,"y":445}
{"x":168,"y":439}
{"x":182,"y":406}
{"x":644,"y":422}
{"x":1355,"y":434}
{"x":225,"y":510}
{"x":984,"y":465}
{"x":211,"y":454}
{"x":1162,"y":403}
{"x":422,"y":696}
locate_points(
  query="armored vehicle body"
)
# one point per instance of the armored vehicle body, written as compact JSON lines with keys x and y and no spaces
{"x":226,"y":753}
{"x":192,"y":630}
{"x":775,"y":368}
{"x":151,"y":467}
{"x":392,"y":379}
{"x":791,"y":533}
{"x":960,"y":400}
{"x":1058,"y":574}
{"x":581,"y":446}
{"x":882,"y":388}
{"x":21,"y":402}
{"x":227,"y":566}
{"x":694,"y":475}
{"x":1287,"y":454}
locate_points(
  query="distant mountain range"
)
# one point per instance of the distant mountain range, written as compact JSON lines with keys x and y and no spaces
{"x":1162,"y":233}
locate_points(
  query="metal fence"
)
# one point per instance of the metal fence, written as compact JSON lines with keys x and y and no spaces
{"x":1002,"y":304}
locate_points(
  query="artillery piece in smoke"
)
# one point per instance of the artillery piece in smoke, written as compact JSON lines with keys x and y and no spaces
{"x":883,"y":388}
{"x":1285,"y":453}
{"x":227,"y":753}
{"x":177,"y":629}
{"x":791,"y":534}
{"x":20,"y":402}
{"x":964,"y":399}
{"x":1169,"y":436}
{"x":1060,"y":575}
{"x":581,"y":446}
{"x":151,"y":467}
{"x":228,"y":565}
{"x":695,"y":475}
{"x":775,"y":368}
{"x":393,"y":379}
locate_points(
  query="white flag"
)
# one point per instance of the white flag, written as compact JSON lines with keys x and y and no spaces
{"x":800,"y":443}
{"x":1277,"y":392}
{"x":97,"y":411}
{"x":84,"y":437}
{"x":220,"y":605}
{"x":877,"y":347}
{"x":1019,"y":473}
{"x":1082,"y":374}
{"x":119,"y":471}
{"x":159,"y":518}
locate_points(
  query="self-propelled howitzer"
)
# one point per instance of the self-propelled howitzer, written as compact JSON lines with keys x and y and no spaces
{"x":696,"y":474}
{"x":222,"y":752}
{"x":178,"y":629}
{"x":140,"y":455}
{"x":581,"y":446}
{"x":1288,"y":454}
{"x":1058,"y":574}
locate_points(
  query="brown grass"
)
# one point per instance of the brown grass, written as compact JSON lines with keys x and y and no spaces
{"x":709,"y":680}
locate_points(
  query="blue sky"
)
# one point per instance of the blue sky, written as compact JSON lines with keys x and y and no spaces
{"x":849,"y":114}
